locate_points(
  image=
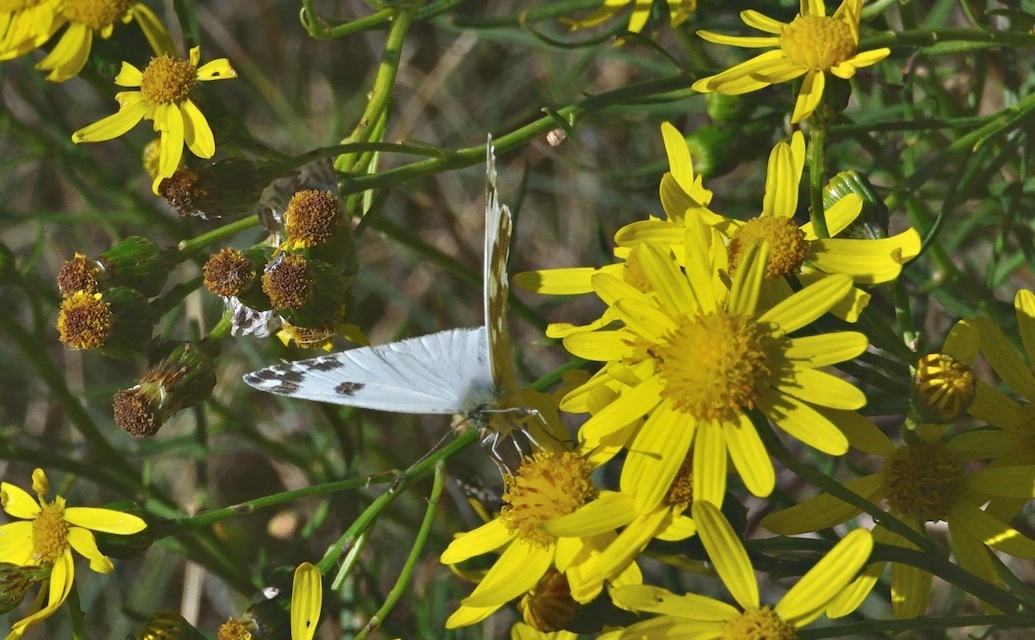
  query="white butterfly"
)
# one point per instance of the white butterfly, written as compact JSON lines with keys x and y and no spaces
{"x":459,"y":371}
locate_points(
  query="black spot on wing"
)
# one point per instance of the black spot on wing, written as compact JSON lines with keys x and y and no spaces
{"x":324,"y":363}
{"x":348,"y":388}
{"x":284,"y":379}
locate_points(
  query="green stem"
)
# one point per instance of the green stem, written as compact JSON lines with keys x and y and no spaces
{"x":187,"y":248}
{"x":818,"y":170}
{"x":381,"y":94}
{"x":924,"y":37}
{"x":652,"y":91}
{"x":403,"y":581}
{"x":404,"y":481}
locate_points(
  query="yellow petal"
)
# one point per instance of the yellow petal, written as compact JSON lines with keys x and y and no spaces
{"x":726,"y":553}
{"x":748,"y":280}
{"x":758,"y":21}
{"x":826,"y":348}
{"x":656,"y":455}
{"x":18,"y":503}
{"x":861,"y":433}
{"x":749,"y":456}
{"x":807,"y":305}
{"x":809,"y":97}
{"x":113,"y":126}
{"x":488,"y":537}
{"x":631,"y":404}
{"x":609,"y":511}
{"x":709,"y":473}
{"x":196,"y":132}
{"x":216,"y":70}
{"x":516,"y":571}
{"x":465,"y":616}
{"x":642,"y":597}
{"x":169,"y":121}
{"x":670,"y":285}
{"x":750,"y":42}
{"x":83,"y":541}
{"x":69,"y":56}
{"x":306,"y":600}
{"x":154,"y":30}
{"x":807,"y":599}
{"x":563,"y":282}
{"x":743,"y":77}
{"x":106,"y":520}
{"x":1012,"y":482}
{"x":679,"y":528}
{"x":821,"y":388}
{"x":822,"y":511}
{"x":129,"y":76}
{"x":61,"y":577}
{"x":16,"y":543}
{"x":781,"y":184}
{"x":803,"y":422}
{"x":680,"y":165}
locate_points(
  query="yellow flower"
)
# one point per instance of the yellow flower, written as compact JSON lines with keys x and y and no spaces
{"x":27,"y":24}
{"x":697,"y":358}
{"x":164,"y":97}
{"x":48,"y":533}
{"x":795,"y":251}
{"x":693,"y":616}
{"x":923,"y":481}
{"x":545,"y":486}
{"x":813,"y":44}
{"x":306,"y":601}
{"x":678,"y":10}
{"x":522,"y":631}
{"x":86,"y":17}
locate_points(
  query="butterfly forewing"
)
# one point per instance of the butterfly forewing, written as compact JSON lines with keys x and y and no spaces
{"x":446,"y":372}
{"x":498,"y":228}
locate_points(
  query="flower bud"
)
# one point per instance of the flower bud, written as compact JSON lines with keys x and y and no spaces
{"x":232,"y":273}
{"x":133,"y":262}
{"x":306,"y":292}
{"x":548,"y":606}
{"x":15,"y":582}
{"x":168,"y":625}
{"x":314,"y":221}
{"x":872,"y":223}
{"x":182,"y":379}
{"x":724,"y":109}
{"x":117,"y":321}
{"x":223,"y":188}
{"x":943,"y":387}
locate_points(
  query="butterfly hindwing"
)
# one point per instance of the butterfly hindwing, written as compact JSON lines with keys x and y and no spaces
{"x":498,"y":229}
{"x":440,"y":373}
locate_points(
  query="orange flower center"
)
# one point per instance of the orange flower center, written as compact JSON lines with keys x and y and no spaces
{"x":715,"y":365}
{"x":168,"y":80}
{"x":788,"y":247}
{"x":545,"y":487}
{"x":758,"y":624}
{"x":50,"y":532}
{"x":923,"y":480}
{"x":818,"y":42}
{"x":96,"y":14}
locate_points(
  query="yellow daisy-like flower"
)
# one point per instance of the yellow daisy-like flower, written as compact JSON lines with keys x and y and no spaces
{"x":813,"y":44}
{"x":643,"y":522}
{"x":87,"y":17}
{"x":545,"y":486}
{"x":48,"y":533}
{"x":795,"y":251}
{"x":697,"y":358}
{"x":164,"y":97}
{"x":26,"y":25}
{"x":693,"y":616}
{"x":678,"y":11}
{"x":924,"y":481}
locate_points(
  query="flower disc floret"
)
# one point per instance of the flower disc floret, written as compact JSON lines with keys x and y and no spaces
{"x":944,"y":385}
{"x":168,"y":80}
{"x":84,"y":321}
{"x":312,"y":217}
{"x":788,"y":247}
{"x":715,"y":365}
{"x":50,"y":531}
{"x":681,"y":493}
{"x":923,"y":480}
{"x":545,"y":487}
{"x":818,"y":42}
{"x":759,"y":624}
{"x":96,"y":14}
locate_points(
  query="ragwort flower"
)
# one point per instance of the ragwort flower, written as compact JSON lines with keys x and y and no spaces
{"x":164,"y":97}
{"x":813,"y":44}
{"x":545,"y":486}
{"x":693,"y":616}
{"x":697,"y":358}
{"x":796,"y":251}
{"x":924,"y":481}
{"x":87,"y":17}
{"x":678,"y":10}
{"x":47,"y":534}
{"x":26,"y":25}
